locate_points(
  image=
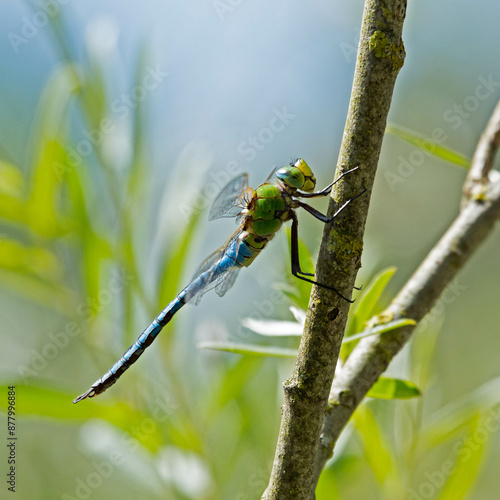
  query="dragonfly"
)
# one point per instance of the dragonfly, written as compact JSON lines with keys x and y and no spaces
{"x":260,"y":214}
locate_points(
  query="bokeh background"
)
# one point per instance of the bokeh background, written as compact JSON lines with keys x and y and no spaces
{"x":119,"y":123}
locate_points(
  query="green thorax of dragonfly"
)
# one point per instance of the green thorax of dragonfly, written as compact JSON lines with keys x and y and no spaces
{"x":272,"y":203}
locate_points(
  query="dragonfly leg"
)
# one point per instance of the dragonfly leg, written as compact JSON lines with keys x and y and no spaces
{"x":325,"y":191}
{"x":324,"y":218}
{"x":296,"y":271}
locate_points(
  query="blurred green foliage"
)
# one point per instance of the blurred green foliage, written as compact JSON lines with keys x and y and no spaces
{"x":71,"y":233}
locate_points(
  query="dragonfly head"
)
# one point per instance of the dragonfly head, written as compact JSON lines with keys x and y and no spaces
{"x":297,"y":175}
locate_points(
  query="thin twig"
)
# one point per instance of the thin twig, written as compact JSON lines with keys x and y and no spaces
{"x":483,"y":159}
{"x":372,"y":355}
{"x":380,"y":57}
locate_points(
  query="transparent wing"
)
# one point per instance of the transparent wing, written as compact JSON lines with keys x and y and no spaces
{"x":220,"y":267}
{"x":271,"y":175}
{"x":227,"y":282}
{"x":232,"y":199}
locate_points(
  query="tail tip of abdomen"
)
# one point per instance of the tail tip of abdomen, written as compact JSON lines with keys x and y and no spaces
{"x":89,"y":394}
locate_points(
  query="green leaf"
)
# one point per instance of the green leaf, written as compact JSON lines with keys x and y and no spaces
{"x":448,"y":420}
{"x":137,"y":173}
{"x":11,"y":179}
{"x":375,"y":445}
{"x":41,"y":291}
{"x":470,"y":453}
{"x":174,"y":260}
{"x":42,"y":202}
{"x":364,"y":308}
{"x":429,"y":146}
{"x":37,"y":401}
{"x":51,"y":124}
{"x":52,"y":111}
{"x":328,"y":485}
{"x":393,"y":388}
{"x":423,"y":352}
{"x":94,"y":248}
{"x":270,"y":328}
{"x":291,"y":292}
{"x":379,"y":329}
{"x":13,"y":209}
{"x":15,"y":256}
{"x":93,"y":90}
{"x":298,"y":291}
{"x":247,"y":349}
{"x":230,"y":384}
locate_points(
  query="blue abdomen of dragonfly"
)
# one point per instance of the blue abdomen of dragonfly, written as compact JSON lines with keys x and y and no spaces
{"x":244,"y":253}
{"x":219,"y":267}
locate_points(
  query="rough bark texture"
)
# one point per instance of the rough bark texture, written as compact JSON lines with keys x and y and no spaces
{"x":380,"y":57}
{"x":372,"y":355}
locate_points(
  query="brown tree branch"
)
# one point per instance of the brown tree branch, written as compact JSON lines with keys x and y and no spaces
{"x":380,"y":57}
{"x":372,"y":355}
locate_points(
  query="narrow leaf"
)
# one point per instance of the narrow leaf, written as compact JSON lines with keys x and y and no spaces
{"x":11,"y":179}
{"x":50,"y":295}
{"x":13,"y":209}
{"x":470,"y":457}
{"x":50,"y":129}
{"x":252,"y":350}
{"x":298,"y":314}
{"x":42,"y":208}
{"x":174,"y":260}
{"x":387,"y":327}
{"x":273,"y":328}
{"x":47,"y":402}
{"x":95,"y":248}
{"x":445,"y":422}
{"x":429,"y":146}
{"x":230,"y":384}
{"x":137,"y":173}
{"x":29,"y":259}
{"x":38,"y":401}
{"x":375,"y":445}
{"x":393,"y":388}
{"x":364,"y":308}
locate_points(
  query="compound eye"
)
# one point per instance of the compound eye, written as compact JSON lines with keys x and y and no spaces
{"x":291,"y":176}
